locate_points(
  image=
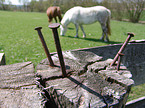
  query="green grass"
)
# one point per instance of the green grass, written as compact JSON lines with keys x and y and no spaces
{"x":136,"y":92}
{"x":20,"y":42}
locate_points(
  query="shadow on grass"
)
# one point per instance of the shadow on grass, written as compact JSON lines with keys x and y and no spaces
{"x":94,"y":40}
{"x":70,"y":28}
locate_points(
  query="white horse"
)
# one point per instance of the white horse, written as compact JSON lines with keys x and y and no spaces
{"x":79,"y":16}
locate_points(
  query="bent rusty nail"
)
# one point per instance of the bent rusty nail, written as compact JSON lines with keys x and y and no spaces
{"x":44,"y":46}
{"x":54,"y":27}
{"x":122,"y":47}
{"x":119,"y":60}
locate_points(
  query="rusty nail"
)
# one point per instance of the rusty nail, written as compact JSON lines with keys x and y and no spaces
{"x":119,"y":60}
{"x":122,"y":47}
{"x":44,"y":45}
{"x":54,"y":27}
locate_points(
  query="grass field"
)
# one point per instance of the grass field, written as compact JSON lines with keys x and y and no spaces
{"x":20,"y":42}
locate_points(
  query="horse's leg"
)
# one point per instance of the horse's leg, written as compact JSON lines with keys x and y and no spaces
{"x":104,"y":33}
{"x":105,"y":30}
{"x":55,"y":19}
{"x":107,"y":39}
{"x":84,"y":34}
{"x":59,"y":14}
{"x":77,"y":29}
{"x":102,"y":38}
{"x":60,"y":18}
{"x":49,"y":19}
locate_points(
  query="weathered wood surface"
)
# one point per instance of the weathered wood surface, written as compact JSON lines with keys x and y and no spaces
{"x":25,"y":97}
{"x":92,"y":83}
{"x":17,"y":75}
{"x":17,"y":86}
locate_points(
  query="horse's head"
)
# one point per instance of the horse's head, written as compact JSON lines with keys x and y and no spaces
{"x":63,"y":30}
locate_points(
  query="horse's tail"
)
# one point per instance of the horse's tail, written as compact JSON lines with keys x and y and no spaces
{"x":108,"y":22}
